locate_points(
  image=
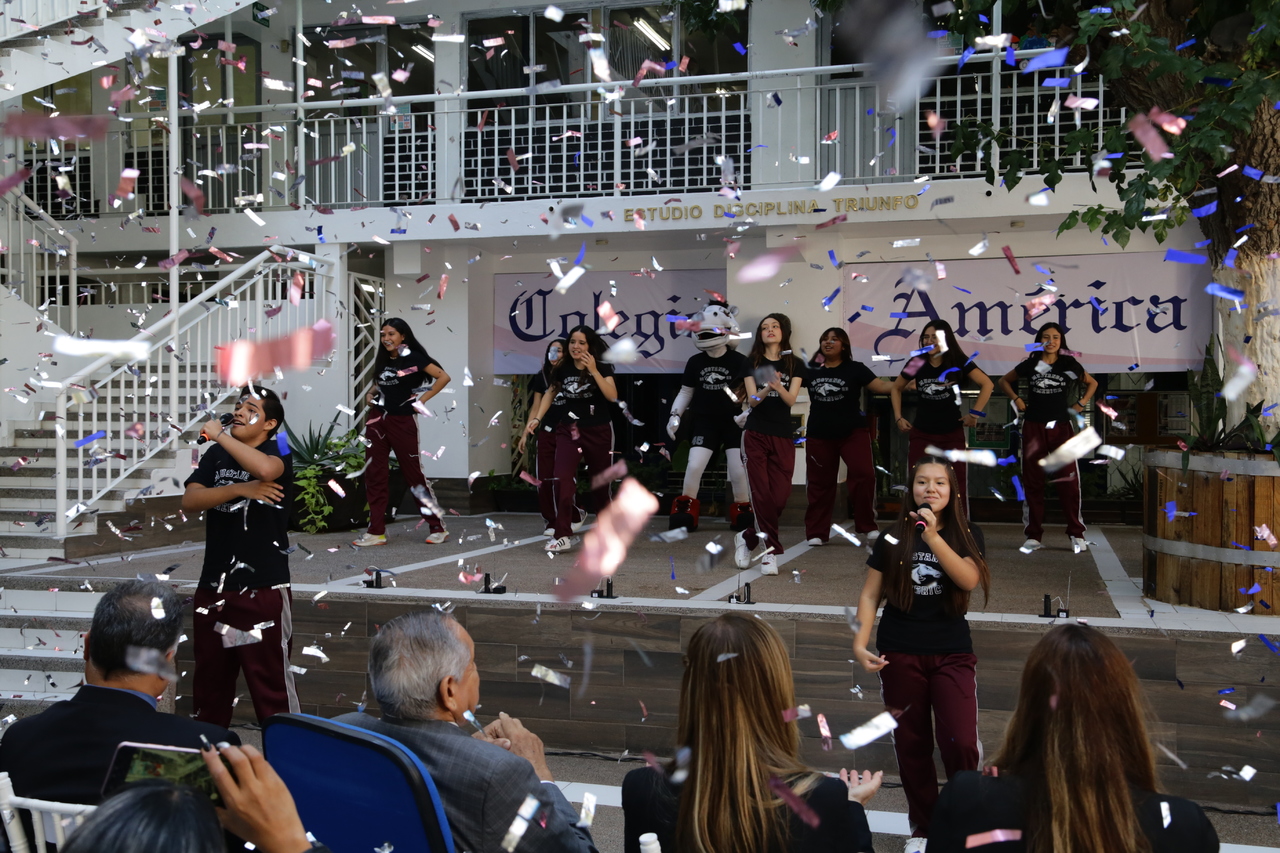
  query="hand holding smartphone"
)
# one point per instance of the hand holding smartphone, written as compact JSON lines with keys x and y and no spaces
{"x":135,"y":762}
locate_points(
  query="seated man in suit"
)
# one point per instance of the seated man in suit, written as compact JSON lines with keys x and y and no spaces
{"x":422,"y":668}
{"x":63,"y":753}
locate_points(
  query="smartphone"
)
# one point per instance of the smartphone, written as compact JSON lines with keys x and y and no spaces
{"x":134,"y":762}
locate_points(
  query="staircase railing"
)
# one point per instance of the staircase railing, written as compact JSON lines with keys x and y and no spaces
{"x":40,"y":261}
{"x":25,"y":17}
{"x":110,"y":412}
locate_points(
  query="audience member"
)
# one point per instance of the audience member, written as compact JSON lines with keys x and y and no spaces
{"x":155,"y":816}
{"x":1076,"y":772}
{"x":423,"y":672}
{"x":64,"y":752}
{"x":741,"y":750}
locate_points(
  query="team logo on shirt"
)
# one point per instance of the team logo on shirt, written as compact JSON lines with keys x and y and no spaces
{"x":714,"y":378}
{"x":1049,"y":382}
{"x":927,"y":579}
{"x":830,"y":388}
{"x":934,"y":389}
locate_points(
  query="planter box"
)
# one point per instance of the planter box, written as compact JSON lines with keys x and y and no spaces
{"x":349,"y":513}
{"x":515,"y":500}
{"x":1195,"y":556}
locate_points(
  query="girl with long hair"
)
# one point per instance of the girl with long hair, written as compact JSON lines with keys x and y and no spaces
{"x":1076,"y":773}
{"x":1052,"y":377}
{"x":940,"y":419}
{"x":838,"y":429}
{"x":584,"y":433}
{"x":924,"y":569}
{"x":738,"y":747}
{"x":545,"y":462}
{"x":405,"y":378}
{"x":772,"y":378}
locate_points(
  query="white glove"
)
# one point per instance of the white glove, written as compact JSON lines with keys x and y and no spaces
{"x":741,"y":420}
{"x":673,"y":426}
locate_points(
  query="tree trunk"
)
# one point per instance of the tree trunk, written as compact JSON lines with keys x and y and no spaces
{"x":1259,"y":278}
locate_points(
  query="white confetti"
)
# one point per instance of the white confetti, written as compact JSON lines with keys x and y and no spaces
{"x":876,"y":727}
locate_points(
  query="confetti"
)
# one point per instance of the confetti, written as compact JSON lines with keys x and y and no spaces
{"x":550,"y":675}
{"x":129,"y":350}
{"x":995,"y":836}
{"x":876,"y":727}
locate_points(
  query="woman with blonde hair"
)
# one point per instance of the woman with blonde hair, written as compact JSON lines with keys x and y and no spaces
{"x":738,"y":783}
{"x":1076,"y":773}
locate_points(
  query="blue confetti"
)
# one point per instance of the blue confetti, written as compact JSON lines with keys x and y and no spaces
{"x":900,"y":315}
{"x":1226,"y":690}
{"x":969,"y":51}
{"x":826,"y":302}
{"x":1244,"y":228}
{"x":1170,"y":510}
{"x":673,"y":567}
{"x":1053,"y":59}
{"x":586,"y":219}
{"x":870,"y":310}
{"x":728,"y":215}
{"x":942,"y":377}
{"x":282,"y":443}
{"x":962,"y":290}
{"x":1219,"y":81}
{"x":1180,"y":257}
{"x":1042,"y":270}
{"x":938,"y":34}
{"x":1033,"y":347}
{"x":1203,"y":243}
{"x":893,"y":136}
{"x":320,"y":233}
{"x":582,"y":253}
{"x":831,"y":253}
{"x":1097,"y":306}
{"x":1268,"y":643}
{"x":1186,"y":43}
{"x":1008,"y":460}
{"x":855,"y":316}
{"x":1253,"y":590}
{"x":1224,"y":292}
{"x":1056,"y":82}
{"x":1211,"y":207}
{"x":1017,"y":487}
{"x":1009,"y":58}
{"x":916,"y":352}
{"x":88,"y":439}
{"x":1251,"y":172}
{"x":972,"y":357}
{"x":1230,"y":258}
{"x":672,"y":64}
{"x":737,"y":45}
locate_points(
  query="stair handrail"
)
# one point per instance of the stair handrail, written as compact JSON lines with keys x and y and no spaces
{"x":158,"y":335}
{"x":73,"y":246}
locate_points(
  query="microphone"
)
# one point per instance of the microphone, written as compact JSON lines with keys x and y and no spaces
{"x":921,"y":524}
{"x":226,"y":420}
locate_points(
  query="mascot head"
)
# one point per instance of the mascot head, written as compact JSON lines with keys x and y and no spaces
{"x":718,"y":326}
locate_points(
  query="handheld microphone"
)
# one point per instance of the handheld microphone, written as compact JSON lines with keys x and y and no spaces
{"x":226,"y":420}
{"x":921,"y":524}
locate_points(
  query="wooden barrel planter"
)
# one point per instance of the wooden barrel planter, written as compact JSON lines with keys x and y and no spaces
{"x":1198,"y":560}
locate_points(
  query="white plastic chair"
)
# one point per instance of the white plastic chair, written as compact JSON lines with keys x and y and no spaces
{"x":48,"y":819}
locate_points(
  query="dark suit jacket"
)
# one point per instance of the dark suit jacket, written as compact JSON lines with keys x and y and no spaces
{"x":482,"y":787}
{"x":63,"y":753}
{"x":650,"y":803}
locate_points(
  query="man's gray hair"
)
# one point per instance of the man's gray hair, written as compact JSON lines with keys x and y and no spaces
{"x":409,"y":657}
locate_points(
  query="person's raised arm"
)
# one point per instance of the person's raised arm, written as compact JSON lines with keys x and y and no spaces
{"x":1007,"y":386}
{"x":441,"y":378}
{"x":198,"y":498}
{"x":605,"y":383}
{"x":985,"y":387}
{"x":868,"y":603}
{"x":880,"y":386}
{"x":261,"y":466}
{"x":895,"y":398}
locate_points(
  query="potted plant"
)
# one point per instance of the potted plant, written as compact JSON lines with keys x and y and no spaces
{"x":318,"y":458}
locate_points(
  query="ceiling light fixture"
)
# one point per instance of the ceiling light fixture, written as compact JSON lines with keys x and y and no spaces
{"x":651,"y":34}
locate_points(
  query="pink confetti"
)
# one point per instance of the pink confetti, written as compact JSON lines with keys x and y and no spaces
{"x":399,"y":75}
{"x":1040,"y":304}
{"x":453,"y":220}
{"x":295,"y":288}
{"x":1168,"y":122}
{"x":463,"y":577}
{"x":242,"y":360}
{"x":647,"y":66}
{"x":36,"y":126}
{"x":128,"y":180}
{"x":605,"y":546}
{"x":832,"y":136}
{"x":1151,"y":140}
{"x":1264,"y":533}
{"x":137,"y":430}
{"x":794,"y":802}
{"x":530,"y":479}
{"x":333,"y":484}
{"x":1013,"y":262}
{"x":616,"y":471}
{"x":444,"y":281}
{"x":993,"y":837}
{"x":637,"y":215}
{"x":610,"y":317}
{"x":692,"y":326}
{"x":194,"y":194}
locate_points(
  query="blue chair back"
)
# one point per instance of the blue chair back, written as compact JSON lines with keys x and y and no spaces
{"x":356,"y":790}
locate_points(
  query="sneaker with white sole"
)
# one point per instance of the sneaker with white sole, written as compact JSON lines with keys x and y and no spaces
{"x":369,"y":540}
{"x":439,"y":537}
{"x":1030,"y":545}
{"x":769,"y":565}
{"x":915,"y":845}
{"x":555,"y":546}
{"x":550,"y":531}
{"x":871,"y":536}
{"x":816,"y":542}
{"x":741,"y":553}
{"x":575,"y":526}
{"x":1079,"y":545}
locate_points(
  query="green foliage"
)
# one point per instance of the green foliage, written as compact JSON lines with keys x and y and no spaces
{"x":703,"y":16}
{"x":317,"y":457}
{"x":311,"y":503}
{"x":1221,"y":116}
{"x":1209,"y":416}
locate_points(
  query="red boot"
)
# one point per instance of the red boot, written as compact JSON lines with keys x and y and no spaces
{"x":741,"y":516}
{"x":684,"y":513}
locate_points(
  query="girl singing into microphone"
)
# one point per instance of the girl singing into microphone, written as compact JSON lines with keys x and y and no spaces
{"x":923,"y":569}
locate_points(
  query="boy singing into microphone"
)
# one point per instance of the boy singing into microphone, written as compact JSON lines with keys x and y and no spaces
{"x":243,"y":616}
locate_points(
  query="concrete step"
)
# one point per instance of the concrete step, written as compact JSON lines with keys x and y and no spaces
{"x":47,"y":684}
{"x":48,"y":502}
{"x":44,"y":603}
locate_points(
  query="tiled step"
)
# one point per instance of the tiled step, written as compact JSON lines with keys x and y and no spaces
{"x":45,"y":684}
{"x":43,"y":603}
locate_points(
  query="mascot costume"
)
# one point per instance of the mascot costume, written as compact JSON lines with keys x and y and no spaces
{"x":707,"y":395}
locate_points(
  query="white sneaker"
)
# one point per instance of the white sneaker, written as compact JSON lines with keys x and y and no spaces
{"x":1079,"y":545}
{"x":555,"y":546}
{"x":871,"y":536}
{"x":915,"y":845}
{"x":368,"y":540}
{"x":575,"y":526}
{"x":1030,"y":545}
{"x":815,"y":542}
{"x":438,"y":538}
{"x":741,"y":553}
{"x":550,"y":531}
{"x":769,"y":565}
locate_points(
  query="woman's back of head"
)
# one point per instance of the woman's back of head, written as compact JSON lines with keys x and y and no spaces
{"x":1078,"y":741}
{"x":154,"y":816}
{"x":737,"y":684}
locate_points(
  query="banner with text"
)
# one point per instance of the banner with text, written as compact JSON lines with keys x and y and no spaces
{"x":1121,"y":312}
{"x":528,"y":314}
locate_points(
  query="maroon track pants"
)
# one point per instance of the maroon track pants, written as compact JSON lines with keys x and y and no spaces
{"x":265,"y":664}
{"x":574,"y":444}
{"x":822,"y":464}
{"x":1038,"y":441}
{"x":388,"y":433}
{"x":770,"y":461}
{"x":945,"y":688}
{"x":954,"y":440}
{"x":546,"y":474}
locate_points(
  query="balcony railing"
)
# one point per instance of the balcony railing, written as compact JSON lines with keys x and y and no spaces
{"x":764,"y":130}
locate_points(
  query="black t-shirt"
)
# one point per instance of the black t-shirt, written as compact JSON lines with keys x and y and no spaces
{"x":1050,"y":395}
{"x":835,"y":399}
{"x":244,"y":531}
{"x":708,"y":377}
{"x":771,"y":416}
{"x":972,"y":804}
{"x":401,"y":378}
{"x":937,"y":412}
{"x":584,"y":402}
{"x":925,"y":629}
{"x":650,"y":803}
{"x":540,"y":385}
